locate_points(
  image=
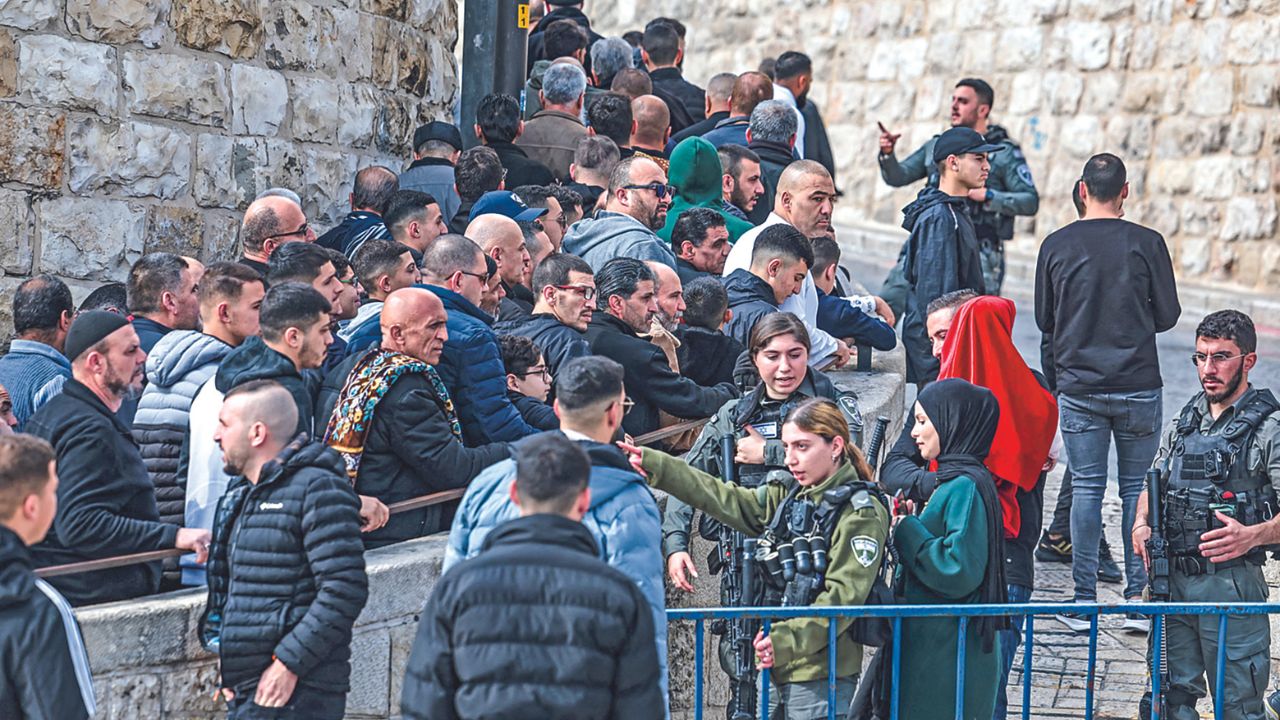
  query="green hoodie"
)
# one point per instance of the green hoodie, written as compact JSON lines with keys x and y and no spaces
{"x":696,"y":174}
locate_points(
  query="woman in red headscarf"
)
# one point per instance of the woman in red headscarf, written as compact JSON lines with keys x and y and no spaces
{"x":979,"y":348}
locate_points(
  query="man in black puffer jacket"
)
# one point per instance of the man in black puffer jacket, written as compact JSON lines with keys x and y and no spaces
{"x":537,"y":625}
{"x":288,"y":530}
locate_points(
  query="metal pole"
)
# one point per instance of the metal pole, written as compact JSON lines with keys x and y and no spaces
{"x":496,"y":44}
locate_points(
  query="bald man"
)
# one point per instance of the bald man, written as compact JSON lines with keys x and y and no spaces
{"x":501,"y":239}
{"x":804,"y":200}
{"x":300,"y":521}
{"x":270,"y":222}
{"x":635,"y":209}
{"x":408,"y":443}
{"x":652,"y":128}
{"x":749,"y":90}
{"x":670,"y":299}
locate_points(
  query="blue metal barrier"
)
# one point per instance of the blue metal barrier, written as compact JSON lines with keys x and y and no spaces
{"x":962,"y":614}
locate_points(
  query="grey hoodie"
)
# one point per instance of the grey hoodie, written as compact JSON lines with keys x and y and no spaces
{"x":609,"y":235}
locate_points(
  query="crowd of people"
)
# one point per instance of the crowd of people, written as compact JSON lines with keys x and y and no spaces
{"x":619,"y":253}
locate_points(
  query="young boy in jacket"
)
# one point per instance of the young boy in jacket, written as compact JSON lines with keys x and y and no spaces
{"x":537,"y":623}
{"x":44,"y":670}
{"x":942,"y":251}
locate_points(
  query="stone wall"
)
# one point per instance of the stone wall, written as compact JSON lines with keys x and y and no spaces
{"x":129,"y":126}
{"x":1185,"y":91}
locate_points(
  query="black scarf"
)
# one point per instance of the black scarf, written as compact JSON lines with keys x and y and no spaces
{"x":965,"y":417}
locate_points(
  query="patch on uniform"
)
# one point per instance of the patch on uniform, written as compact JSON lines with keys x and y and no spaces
{"x":865,"y":549}
{"x":768,"y":431}
{"x":1024,"y":173}
{"x":849,"y":404}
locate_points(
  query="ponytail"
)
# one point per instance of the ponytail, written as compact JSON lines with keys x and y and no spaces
{"x":823,"y":418}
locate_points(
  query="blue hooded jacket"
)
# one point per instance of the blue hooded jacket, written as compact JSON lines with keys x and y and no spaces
{"x":471,"y":367}
{"x":623,"y":519}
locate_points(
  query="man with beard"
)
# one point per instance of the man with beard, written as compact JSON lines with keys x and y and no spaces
{"x":670,"y":299}
{"x":743,"y":186}
{"x":1221,"y":460}
{"x":639,"y":198}
{"x":1009,"y":190}
{"x":566,"y":292}
{"x":700,"y":240}
{"x":106,"y":502}
{"x":627,"y":304}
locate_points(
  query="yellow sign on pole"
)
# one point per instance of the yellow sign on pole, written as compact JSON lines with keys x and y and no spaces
{"x":522,"y":16}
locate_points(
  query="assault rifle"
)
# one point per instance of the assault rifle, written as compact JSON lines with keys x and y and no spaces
{"x":739,"y":590}
{"x":1157,"y":547}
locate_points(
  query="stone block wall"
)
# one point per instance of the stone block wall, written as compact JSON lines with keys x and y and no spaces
{"x":129,"y":126}
{"x":1186,"y":91}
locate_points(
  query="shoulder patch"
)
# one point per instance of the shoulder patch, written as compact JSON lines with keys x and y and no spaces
{"x":1024,"y":174}
{"x":849,"y":404}
{"x":862,"y":499}
{"x":865,"y":549}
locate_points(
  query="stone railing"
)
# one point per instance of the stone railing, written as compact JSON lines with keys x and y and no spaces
{"x":147,"y":662}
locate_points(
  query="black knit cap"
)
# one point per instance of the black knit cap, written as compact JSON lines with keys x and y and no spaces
{"x":88,"y":329}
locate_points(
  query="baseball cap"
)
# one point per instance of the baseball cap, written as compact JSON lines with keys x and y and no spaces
{"x":507,"y":203}
{"x":961,"y":140}
{"x":437,"y":130}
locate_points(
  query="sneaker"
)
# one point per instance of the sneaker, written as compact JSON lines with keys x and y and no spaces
{"x":1136,"y":623}
{"x":1076,"y":622}
{"x":1108,"y":571}
{"x":1049,"y":550}
{"x":1273,"y":706}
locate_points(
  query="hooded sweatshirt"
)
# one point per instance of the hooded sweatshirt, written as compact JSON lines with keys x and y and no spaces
{"x":609,"y":235}
{"x":750,"y":299}
{"x":44,"y":669}
{"x":941,"y":256}
{"x":697,"y":176}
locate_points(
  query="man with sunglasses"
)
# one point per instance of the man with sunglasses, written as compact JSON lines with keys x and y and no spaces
{"x":636,"y":209}
{"x":1221,"y":461}
{"x":270,"y":222}
{"x":566,"y":292}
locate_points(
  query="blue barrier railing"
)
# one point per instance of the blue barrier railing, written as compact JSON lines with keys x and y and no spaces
{"x":962,"y":614}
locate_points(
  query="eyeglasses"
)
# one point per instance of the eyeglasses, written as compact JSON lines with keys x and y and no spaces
{"x":661,"y":190}
{"x":538,"y":370}
{"x":587,"y":292}
{"x":352,"y":281}
{"x":627,"y":404}
{"x":1217,"y":358}
{"x":482,"y":277}
{"x":562,"y":221}
{"x":300,"y":231}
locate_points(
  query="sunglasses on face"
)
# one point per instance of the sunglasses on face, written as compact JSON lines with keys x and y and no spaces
{"x":661,"y":190}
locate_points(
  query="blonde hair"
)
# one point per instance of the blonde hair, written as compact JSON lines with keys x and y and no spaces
{"x":823,"y":418}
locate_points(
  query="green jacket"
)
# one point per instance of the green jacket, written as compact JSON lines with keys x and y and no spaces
{"x":1012,"y":190}
{"x":696,"y":174}
{"x":800,"y":644}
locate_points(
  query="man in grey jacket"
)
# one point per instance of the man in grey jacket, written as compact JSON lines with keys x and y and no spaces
{"x":639,"y":198}
{"x":436,"y":147}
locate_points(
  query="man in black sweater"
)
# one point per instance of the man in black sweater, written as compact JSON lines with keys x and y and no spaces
{"x":1104,"y":288}
{"x":283,"y":630}
{"x":537,"y":587}
{"x":106,"y":502}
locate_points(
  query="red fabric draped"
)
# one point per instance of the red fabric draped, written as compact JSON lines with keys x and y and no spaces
{"x":979,"y":348}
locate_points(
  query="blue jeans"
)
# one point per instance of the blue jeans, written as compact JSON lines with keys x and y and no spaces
{"x":1088,"y":424}
{"x":1009,"y":641}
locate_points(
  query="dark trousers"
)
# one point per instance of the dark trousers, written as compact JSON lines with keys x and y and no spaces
{"x":1060,"y":526}
{"x":306,"y":704}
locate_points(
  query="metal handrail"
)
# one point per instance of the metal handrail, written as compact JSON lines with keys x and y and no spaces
{"x":962,"y":614}
{"x":413,"y":503}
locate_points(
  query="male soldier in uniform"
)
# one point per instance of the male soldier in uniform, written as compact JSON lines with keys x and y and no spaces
{"x":1009,"y":190}
{"x":1222,"y":458}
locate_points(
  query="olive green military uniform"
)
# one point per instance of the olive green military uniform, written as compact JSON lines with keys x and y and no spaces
{"x":1010,"y":191}
{"x":856,"y":549}
{"x":1192,"y":641}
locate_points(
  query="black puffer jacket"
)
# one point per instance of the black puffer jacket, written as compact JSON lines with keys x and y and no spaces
{"x":558,"y":342}
{"x":177,"y":367}
{"x":255,"y":360}
{"x":707,"y":357}
{"x":535,"y":626}
{"x":750,"y":299}
{"x":44,"y":670}
{"x":649,"y":380}
{"x":410,"y":451}
{"x":286,"y":572}
{"x":106,"y":502}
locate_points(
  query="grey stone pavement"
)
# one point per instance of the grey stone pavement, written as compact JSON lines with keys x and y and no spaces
{"x":1059,"y":676}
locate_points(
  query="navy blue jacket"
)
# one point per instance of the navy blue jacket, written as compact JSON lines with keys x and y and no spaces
{"x":750,"y":298}
{"x":840,"y":319}
{"x":472,"y":369}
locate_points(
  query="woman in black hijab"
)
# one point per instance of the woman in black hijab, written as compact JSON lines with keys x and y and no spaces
{"x":952,"y":554}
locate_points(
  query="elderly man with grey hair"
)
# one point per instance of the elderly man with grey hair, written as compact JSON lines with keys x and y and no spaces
{"x":772,"y":136}
{"x":552,"y":134}
{"x":608,"y":57}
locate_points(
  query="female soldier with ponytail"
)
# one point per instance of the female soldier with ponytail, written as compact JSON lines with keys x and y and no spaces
{"x":826,"y":500}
